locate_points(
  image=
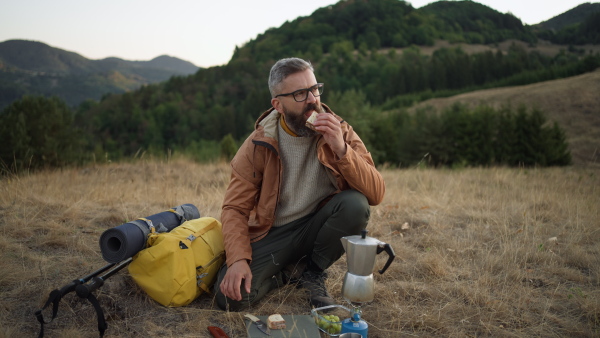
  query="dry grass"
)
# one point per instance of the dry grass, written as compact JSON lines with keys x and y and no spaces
{"x":474,"y":251}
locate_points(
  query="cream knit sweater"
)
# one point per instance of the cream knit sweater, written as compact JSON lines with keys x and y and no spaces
{"x":305,"y":182}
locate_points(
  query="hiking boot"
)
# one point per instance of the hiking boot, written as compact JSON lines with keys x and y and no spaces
{"x":314,"y":282}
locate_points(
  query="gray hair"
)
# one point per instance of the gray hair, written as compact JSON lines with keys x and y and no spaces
{"x":284,"y":68}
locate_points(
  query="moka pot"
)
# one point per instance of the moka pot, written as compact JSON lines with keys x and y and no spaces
{"x":361,"y":252}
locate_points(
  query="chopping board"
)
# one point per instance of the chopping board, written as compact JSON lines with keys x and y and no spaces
{"x":297,"y":326}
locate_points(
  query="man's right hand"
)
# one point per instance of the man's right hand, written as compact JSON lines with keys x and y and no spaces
{"x":232,"y":282}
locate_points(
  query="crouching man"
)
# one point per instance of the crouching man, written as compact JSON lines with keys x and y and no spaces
{"x":294,"y":192}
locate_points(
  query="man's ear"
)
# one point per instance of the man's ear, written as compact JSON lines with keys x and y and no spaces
{"x":276,"y":104}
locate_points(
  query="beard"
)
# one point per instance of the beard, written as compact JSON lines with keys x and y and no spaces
{"x":297,"y":121}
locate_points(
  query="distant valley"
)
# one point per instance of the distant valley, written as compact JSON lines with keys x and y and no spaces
{"x":35,"y":68}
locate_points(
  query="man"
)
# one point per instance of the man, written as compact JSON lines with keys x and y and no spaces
{"x":294,"y":192}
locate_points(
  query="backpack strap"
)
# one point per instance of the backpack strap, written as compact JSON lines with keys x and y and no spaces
{"x":178,"y":210}
{"x":201,"y":274}
{"x":149,"y":226}
{"x":185,"y":212}
{"x":202,"y":231}
{"x":200,"y":269}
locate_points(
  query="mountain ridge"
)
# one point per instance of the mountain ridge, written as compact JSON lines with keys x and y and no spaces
{"x":38,"y":56}
{"x":36,"y":68}
{"x":573,"y":16}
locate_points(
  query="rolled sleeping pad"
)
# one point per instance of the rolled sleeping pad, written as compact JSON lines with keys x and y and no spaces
{"x":126,"y":240}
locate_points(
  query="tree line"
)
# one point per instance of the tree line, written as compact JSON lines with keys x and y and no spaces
{"x":40,"y":132}
{"x":460,"y":136}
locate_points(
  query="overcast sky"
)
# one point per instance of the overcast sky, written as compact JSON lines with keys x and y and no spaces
{"x":202,"y":32}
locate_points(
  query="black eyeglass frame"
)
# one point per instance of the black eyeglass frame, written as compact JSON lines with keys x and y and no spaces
{"x":318,"y":87}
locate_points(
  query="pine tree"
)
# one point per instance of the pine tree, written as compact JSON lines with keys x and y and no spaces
{"x":505,"y":138}
{"x":556,"y":147}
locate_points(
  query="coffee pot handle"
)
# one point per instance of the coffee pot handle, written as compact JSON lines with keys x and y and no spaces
{"x":388,"y":249}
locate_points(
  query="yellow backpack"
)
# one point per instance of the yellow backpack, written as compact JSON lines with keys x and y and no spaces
{"x":178,"y":266}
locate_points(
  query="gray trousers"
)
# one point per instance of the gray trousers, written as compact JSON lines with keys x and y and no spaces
{"x":315,"y":236}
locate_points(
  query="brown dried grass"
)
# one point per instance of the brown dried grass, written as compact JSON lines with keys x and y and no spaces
{"x":473,"y":246}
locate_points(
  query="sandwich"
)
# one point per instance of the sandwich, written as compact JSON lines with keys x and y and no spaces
{"x":276,"y":322}
{"x":313,"y":117}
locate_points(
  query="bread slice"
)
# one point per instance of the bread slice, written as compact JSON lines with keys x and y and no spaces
{"x":311,"y":119}
{"x":276,"y":322}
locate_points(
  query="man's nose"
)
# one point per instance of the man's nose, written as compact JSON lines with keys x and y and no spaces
{"x":311,"y":98}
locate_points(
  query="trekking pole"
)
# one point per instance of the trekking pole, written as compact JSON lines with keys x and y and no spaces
{"x":56,"y":295}
{"x":83,"y":291}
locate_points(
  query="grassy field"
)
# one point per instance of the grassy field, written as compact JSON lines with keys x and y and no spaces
{"x":480,"y":252}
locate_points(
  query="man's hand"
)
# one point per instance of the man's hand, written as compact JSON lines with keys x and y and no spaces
{"x":331,"y":129}
{"x":232,"y":282}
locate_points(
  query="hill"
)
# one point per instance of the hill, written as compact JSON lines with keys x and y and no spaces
{"x":570,"y":17}
{"x":572,"y":102}
{"x":369,"y":25}
{"x":578,"y":26}
{"x":30,"y":67}
{"x":174,"y":64}
{"x":476,"y":23}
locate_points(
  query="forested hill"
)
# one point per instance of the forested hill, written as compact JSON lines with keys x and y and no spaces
{"x":368,"y":25}
{"x":368,"y":54}
{"x":476,"y":23}
{"x":31,"y":67}
{"x":578,"y":26}
{"x":571,"y":17}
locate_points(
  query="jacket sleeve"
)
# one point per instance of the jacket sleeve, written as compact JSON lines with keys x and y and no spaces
{"x":358,"y":169}
{"x":238,"y":203}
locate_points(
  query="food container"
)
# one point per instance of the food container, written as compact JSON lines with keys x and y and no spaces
{"x":325,"y":322}
{"x":351,"y":335}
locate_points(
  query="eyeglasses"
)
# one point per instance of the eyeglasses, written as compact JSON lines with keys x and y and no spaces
{"x":301,"y":95}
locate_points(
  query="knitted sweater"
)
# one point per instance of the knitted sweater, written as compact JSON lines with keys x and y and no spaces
{"x":305,"y":182}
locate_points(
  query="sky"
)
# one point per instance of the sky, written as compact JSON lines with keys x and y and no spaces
{"x":199,"y":31}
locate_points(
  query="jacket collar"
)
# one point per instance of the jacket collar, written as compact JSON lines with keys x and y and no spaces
{"x":270,"y":119}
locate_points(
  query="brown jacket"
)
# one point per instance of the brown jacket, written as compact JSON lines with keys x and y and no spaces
{"x":253,"y":193}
